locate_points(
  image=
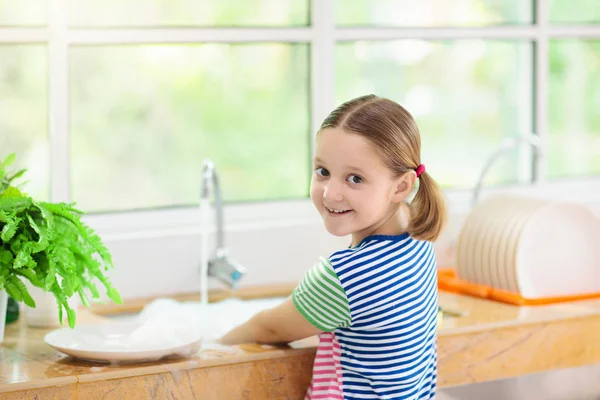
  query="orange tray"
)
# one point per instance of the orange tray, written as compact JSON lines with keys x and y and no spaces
{"x":449,"y":282}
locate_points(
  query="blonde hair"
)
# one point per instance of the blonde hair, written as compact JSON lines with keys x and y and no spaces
{"x":394,"y":132}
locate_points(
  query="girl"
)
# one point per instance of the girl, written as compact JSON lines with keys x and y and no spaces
{"x":374,"y":304}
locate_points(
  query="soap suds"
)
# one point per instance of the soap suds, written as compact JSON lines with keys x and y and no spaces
{"x":166,"y":323}
{"x":167,"y":319}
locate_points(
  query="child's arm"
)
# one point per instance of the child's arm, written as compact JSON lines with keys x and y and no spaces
{"x":280,"y":324}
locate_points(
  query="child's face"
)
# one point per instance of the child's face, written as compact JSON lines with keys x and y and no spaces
{"x":352,"y":189}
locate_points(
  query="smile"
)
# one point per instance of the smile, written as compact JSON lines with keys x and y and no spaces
{"x":334,"y":211}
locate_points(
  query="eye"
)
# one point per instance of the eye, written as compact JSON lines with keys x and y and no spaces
{"x":355,"y":179}
{"x":322,"y":171}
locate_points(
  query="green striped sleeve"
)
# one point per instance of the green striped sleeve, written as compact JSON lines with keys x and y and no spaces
{"x":320,"y":298}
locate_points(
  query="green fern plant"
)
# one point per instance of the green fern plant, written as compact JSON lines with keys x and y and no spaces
{"x":42,"y":242}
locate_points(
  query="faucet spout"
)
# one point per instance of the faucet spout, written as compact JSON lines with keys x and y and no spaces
{"x":220,"y":265}
{"x":210,"y":184}
{"x":208,"y":169}
{"x":507,"y":145}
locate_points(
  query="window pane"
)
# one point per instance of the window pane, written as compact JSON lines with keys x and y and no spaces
{"x":574,"y":104}
{"x":144,"y":117}
{"x":569,"y":12}
{"x":24,"y":114}
{"x":467,"y":96}
{"x":113,"y":13}
{"x":430,"y":13}
{"x":22,"y":12}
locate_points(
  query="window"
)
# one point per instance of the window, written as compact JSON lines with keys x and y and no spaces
{"x":24,"y":112}
{"x":466,"y":95}
{"x":147,"y":13}
{"x":574,"y":105}
{"x":574,"y":12}
{"x":114,"y":104}
{"x":148,"y":115}
{"x":22,"y":13}
{"x":433,"y":13}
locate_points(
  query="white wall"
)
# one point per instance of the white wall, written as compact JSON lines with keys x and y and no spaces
{"x":167,"y":265}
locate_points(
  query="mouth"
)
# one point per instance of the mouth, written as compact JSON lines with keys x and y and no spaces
{"x":336,"y":212}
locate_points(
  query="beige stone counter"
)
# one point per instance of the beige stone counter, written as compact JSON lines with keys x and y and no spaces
{"x":490,"y":341}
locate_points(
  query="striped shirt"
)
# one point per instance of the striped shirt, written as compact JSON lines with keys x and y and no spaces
{"x":376,"y":304}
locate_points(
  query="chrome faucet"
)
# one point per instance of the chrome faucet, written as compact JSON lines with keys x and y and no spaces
{"x":220,"y":265}
{"x":508,"y":144}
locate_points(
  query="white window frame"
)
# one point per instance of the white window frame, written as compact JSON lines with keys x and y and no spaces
{"x":322,"y":35}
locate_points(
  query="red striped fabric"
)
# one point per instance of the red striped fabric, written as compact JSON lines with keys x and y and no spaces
{"x":327,"y":370}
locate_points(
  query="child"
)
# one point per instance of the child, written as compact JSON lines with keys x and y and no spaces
{"x":374,"y":304}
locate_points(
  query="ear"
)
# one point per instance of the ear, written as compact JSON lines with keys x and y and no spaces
{"x":403,"y":186}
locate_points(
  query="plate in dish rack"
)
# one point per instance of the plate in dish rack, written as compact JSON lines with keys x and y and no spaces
{"x":118,"y":341}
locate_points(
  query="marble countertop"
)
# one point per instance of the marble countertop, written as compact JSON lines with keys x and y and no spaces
{"x":487,"y":341}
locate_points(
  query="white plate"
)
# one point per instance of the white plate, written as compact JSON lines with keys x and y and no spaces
{"x":557,"y":252}
{"x":524,"y":209}
{"x":466,"y":267}
{"x":118,"y":341}
{"x":487,"y":268}
{"x":473,"y":263}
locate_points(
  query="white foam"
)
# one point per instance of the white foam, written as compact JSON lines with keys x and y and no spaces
{"x":166,"y":321}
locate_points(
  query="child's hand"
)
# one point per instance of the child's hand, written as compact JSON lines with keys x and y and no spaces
{"x":280,"y":324}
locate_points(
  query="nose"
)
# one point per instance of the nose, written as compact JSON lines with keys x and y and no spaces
{"x":332,"y":192}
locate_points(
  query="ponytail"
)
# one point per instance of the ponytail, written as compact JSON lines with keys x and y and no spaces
{"x":427,"y":210}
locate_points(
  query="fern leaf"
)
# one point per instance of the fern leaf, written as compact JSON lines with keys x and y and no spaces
{"x":16,"y":175}
{"x":9,"y":160}
{"x":51,"y":274}
{"x":42,"y":242}
{"x":8,"y":232}
{"x":83,"y":297}
{"x":17,"y":289}
{"x":61,"y":300}
{"x":31,"y":276}
{"x":67,"y":286}
{"x":46,"y":216}
{"x":71,"y":316}
{"x":60,"y":313}
{"x":63,"y":210}
{"x":71,"y":207}
{"x":26,"y":296}
{"x":92,"y":288}
{"x":11,"y":191}
{"x":10,"y":229}
{"x":12,"y":290}
{"x":6,"y":257}
{"x":24,"y":258}
{"x":16,"y":204}
{"x":111,"y":292}
{"x":114,"y":295}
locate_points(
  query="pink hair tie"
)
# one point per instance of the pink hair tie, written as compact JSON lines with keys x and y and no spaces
{"x":420,"y":169}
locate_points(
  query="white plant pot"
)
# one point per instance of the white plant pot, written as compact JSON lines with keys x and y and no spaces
{"x":3,"y":304}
